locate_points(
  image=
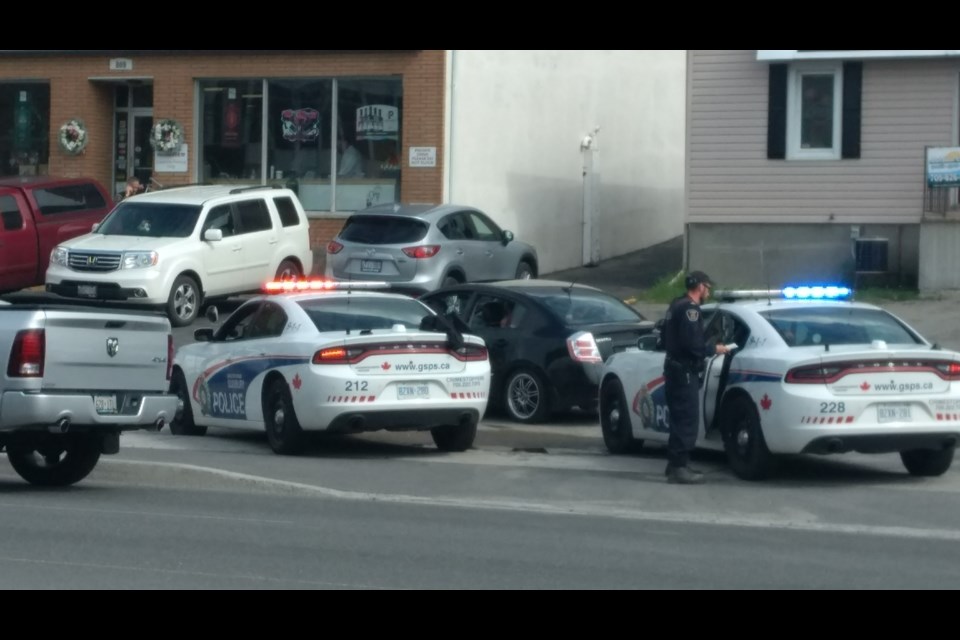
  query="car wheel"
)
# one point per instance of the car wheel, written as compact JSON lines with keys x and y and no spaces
{"x":184,"y":302}
{"x":450,"y":281}
{"x":288,"y":270}
{"x":525,"y":271}
{"x":744,"y":442}
{"x":182,"y":423}
{"x":526,"y":397}
{"x":458,"y":437}
{"x":927,"y":462}
{"x":615,"y":419}
{"x":283,"y":428}
{"x":61,"y":461}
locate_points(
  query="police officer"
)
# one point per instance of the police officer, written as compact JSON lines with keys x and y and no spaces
{"x":686,"y":350}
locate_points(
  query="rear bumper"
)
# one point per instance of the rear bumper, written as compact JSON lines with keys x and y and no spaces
{"x":410,"y":420}
{"x":19,"y":410}
{"x":882,"y":443}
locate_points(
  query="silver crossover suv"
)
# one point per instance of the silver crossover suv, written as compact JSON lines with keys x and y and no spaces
{"x":421,"y":247}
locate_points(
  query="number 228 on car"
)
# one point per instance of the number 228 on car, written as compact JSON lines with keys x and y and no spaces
{"x":812,"y":373}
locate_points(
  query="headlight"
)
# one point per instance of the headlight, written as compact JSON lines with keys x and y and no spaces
{"x":59,"y":256}
{"x":138,"y":259}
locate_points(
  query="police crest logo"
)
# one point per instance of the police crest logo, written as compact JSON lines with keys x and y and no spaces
{"x":693,"y":315}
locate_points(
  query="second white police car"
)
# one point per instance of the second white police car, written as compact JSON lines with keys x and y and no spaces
{"x":321,"y":356}
{"x":813,"y":373}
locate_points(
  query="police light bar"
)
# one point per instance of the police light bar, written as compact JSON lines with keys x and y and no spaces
{"x":804,"y":292}
{"x":301,"y":286}
{"x":817,"y":292}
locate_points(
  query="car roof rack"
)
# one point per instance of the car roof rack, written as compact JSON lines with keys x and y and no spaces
{"x":255,"y":187}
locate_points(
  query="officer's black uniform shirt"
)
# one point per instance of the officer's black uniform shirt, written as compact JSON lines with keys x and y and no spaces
{"x":683,"y":333}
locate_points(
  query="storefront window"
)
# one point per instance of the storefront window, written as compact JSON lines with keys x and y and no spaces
{"x":368,"y":141}
{"x":24,"y":132}
{"x":232,"y":130}
{"x":299,"y":150}
{"x":298,"y":139}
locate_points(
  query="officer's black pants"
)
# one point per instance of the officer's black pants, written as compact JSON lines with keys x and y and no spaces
{"x":683,"y":401}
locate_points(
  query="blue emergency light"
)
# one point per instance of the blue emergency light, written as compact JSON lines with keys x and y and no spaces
{"x":816,"y":292}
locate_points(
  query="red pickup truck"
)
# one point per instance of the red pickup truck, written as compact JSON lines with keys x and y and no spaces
{"x":38,"y":213}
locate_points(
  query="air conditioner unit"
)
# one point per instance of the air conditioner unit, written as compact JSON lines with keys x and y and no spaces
{"x":871,"y":254}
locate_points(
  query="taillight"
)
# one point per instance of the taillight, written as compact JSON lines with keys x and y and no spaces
{"x":169,"y":356}
{"x":816,"y":374}
{"x":424,"y":251}
{"x":337,"y":355}
{"x":27,"y":354}
{"x":583,"y":348}
{"x":469,"y":353}
{"x":949,"y":370}
{"x":334,"y":247}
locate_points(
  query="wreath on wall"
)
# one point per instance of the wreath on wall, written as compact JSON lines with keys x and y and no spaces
{"x":73,"y":136}
{"x":166,"y":136}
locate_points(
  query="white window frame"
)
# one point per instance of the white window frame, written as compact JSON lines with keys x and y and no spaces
{"x":794,"y":101}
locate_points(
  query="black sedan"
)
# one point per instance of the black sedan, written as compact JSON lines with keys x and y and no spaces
{"x":547,"y":340}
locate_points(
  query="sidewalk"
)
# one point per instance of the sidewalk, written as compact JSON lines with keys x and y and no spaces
{"x":626,"y":275}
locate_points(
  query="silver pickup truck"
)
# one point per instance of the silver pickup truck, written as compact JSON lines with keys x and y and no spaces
{"x":74,"y":378}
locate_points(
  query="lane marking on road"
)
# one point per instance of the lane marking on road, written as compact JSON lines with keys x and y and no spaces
{"x":802,"y":525}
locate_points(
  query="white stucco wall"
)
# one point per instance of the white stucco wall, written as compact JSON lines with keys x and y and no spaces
{"x":516,"y":119}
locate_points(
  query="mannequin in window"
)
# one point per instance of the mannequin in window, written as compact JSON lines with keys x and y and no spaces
{"x":351,"y":160}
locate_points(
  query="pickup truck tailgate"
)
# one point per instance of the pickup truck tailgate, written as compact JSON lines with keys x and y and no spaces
{"x":94,"y":350}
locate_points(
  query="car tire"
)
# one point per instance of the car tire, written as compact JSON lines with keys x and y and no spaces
{"x":288,"y":270}
{"x":743,"y":441}
{"x":525,"y":271}
{"x":526,"y":397}
{"x":182,"y":423}
{"x":61,"y":461}
{"x":284,"y":433}
{"x":927,"y":462}
{"x":184,"y":302}
{"x":615,"y":419}
{"x":456,"y":437}
{"x":450,"y":281}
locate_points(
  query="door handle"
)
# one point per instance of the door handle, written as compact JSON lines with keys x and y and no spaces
{"x":459,"y":252}
{"x":272,"y":241}
{"x":237,"y":249}
{"x":489,"y":254}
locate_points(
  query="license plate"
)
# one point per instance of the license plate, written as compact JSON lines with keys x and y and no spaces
{"x":893,"y":413}
{"x":105,"y":404}
{"x":370,"y":266}
{"x":413,"y":391}
{"x":87,"y":290}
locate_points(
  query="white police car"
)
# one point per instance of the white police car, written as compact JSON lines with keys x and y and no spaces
{"x":317,"y":357}
{"x":813,"y":374}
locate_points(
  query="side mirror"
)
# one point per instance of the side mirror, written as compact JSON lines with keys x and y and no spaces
{"x":203,"y":335}
{"x":213,"y":235}
{"x":507,"y":237}
{"x":213,"y":315}
{"x":647,"y":343}
{"x":93,"y":229}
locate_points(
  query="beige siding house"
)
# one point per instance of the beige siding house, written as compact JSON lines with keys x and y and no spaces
{"x":810,"y":166}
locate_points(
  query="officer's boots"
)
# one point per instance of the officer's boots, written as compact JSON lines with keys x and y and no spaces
{"x":684,"y":475}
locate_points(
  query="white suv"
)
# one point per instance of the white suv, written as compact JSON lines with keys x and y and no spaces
{"x":181,"y":245}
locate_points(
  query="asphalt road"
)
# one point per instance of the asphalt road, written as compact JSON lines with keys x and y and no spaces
{"x":388,"y":511}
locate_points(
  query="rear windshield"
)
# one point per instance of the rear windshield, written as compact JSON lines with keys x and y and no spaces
{"x":359,"y":313}
{"x":803,"y":327}
{"x":369,"y":229}
{"x":582,"y":306}
{"x":151,"y":220}
{"x":70,"y":198}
